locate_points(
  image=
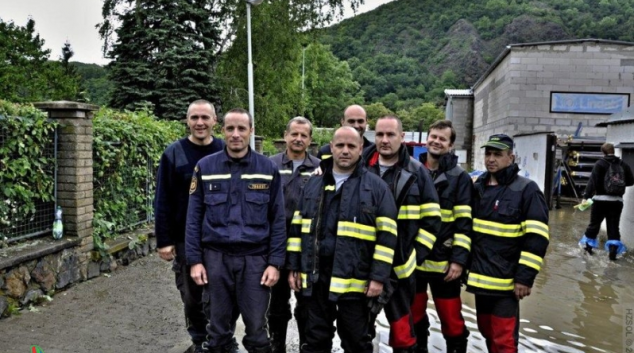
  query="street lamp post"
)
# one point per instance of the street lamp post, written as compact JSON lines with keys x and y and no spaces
{"x":250,"y":66}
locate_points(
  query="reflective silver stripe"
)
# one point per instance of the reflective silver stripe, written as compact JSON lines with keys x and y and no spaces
{"x":386,"y":224}
{"x":383,"y":253}
{"x":215,"y":177}
{"x":433,"y":266}
{"x":531,"y":226}
{"x":493,"y":283}
{"x":297,"y":218}
{"x":426,"y":238}
{"x":497,"y":229}
{"x":431,"y":209}
{"x":286,"y":171}
{"x":306,"y":225}
{"x":462,"y":240}
{"x":462,"y":211}
{"x":294,"y":244}
{"x":356,"y":230}
{"x":342,"y":285}
{"x":406,"y":270}
{"x":256,"y":176}
{"x":531,"y":260}
{"x":409,"y":212}
{"x":447,"y":216}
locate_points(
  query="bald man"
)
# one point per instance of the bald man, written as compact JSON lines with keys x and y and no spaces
{"x":341,"y":247}
{"x":355,"y":117}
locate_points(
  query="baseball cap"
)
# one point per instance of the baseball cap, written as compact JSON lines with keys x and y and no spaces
{"x":500,"y":142}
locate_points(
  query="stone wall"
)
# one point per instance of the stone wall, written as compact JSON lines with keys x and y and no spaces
{"x":515,"y":96}
{"x":42,"y":266}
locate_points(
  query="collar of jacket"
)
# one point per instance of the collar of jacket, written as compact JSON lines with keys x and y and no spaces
{"x":370,"y":156}
{"x":244,"y":160}
{"x":504,"y":176}
{"x":446,"y":162}
{"x":308,"y":161}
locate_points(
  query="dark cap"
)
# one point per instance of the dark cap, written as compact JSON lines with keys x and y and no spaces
{"x":500,"y":142}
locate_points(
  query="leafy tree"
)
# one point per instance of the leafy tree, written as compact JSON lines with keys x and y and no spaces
{"x":166,"y":52}
{"x":375,"y":111}
{"x":26,"y":74}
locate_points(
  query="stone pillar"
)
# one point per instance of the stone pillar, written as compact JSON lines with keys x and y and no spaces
{"x":74,"y":167}
{"x":259,"y":143}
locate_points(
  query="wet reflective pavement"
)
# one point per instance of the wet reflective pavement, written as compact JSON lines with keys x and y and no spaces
{"x":578,"y":302}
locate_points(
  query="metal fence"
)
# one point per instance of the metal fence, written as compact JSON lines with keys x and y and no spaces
{"x":15,"y":226}
{"x":127,"y":192}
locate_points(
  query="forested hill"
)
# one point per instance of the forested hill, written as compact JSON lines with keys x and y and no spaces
{"x":400,"y":51}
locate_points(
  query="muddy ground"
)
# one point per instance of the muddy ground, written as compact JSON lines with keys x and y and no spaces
{"x":579,"y":304}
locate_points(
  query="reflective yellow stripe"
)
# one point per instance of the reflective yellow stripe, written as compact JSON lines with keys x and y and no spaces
{"x":386,"y":224}
{"x":426,"y":238}
{"x":462,"y":240}
{"x":462,"y":211}
{"x":531,"y":260}
{"x":431,"y":209}
{"x":356,"y":230}
{"x":286,"y":171}
{"x":294,"y":244}
{"x":325,"y":156}
{"x":493,"y":283}
{"x":409,"y":212}
{"x":383,"y":253}
{"x":329,"y":188}
{"x":497,"y":229}
{"x":433,"y":266}
{"x":256,"y":176}
{"x":406,"y":270}
{"x":306,"y":225}
{"x":297,"y":218}
{"x":537,"y":227}
{"x":447,"y":215}
{"x":343,"y":285}
{"x":304,"y":277}
{"x":306,"y":173}
{"x":215,"y":176}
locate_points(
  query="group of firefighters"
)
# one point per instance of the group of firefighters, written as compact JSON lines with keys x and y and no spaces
{"x":362,"y":227}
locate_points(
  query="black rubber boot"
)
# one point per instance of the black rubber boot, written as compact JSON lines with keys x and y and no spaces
{"x":613,"y":250}
{"x":411,"y":349}
{"x":277,"y":330}
{"x":457,"y":345}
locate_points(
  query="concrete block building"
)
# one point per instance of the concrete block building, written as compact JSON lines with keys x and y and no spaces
{"x":559,"y":86}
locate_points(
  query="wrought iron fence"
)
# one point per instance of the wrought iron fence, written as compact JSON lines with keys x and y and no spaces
{"x":16,"y":225}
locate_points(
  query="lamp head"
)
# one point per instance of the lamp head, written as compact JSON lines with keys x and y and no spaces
{"x":254,"y":2}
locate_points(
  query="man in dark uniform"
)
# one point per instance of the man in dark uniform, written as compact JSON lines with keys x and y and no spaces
{"x":235,"y":238}
{"x":296,"y":166}
{"x":444,"y":266}
{"x":170,"y":208}
{"x":341,"y":247}
{"x":355,"y":117}
{"x":508,"y":244}
{"x":418,"y":223}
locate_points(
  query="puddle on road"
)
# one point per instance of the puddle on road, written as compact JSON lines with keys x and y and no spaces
{"x":578,"y":302}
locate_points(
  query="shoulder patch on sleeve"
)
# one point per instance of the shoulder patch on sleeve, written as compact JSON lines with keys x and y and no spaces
{"x":194,"y":184}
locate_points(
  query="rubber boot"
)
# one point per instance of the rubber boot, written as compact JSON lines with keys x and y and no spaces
{"x":613,"y":251}
{"x":457,"y":345}
{"x":277,"y":330}
{"x":411,"y":349}
{"x":421,"y":344}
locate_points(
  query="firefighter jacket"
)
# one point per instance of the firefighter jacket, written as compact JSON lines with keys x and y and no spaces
{"x":293,"y":181}
{"x":453,"y":243}
{"x":237,"y":208}
{"x":510,"y":233}
{"x":418,"y":210}
{"x":365,"y":238}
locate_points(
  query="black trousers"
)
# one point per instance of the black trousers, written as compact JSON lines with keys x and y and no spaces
{"x":611,"y":212}
{"x":192,"y":297}
{"x":234,"y":282}
{"x":353,"y":321}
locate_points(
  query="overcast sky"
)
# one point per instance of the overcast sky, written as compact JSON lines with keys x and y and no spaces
{"x":74,"y":20}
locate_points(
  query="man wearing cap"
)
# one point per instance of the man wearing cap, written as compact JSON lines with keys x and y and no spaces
{"x":509,"y":241}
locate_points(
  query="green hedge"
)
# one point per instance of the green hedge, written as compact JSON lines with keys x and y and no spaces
{"x":26,"y":173}
{"x":124,"y":143}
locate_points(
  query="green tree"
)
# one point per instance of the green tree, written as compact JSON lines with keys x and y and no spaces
{"x":26,"y":74}
{"x":329,"y":86}
{"x":375,"y":111}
